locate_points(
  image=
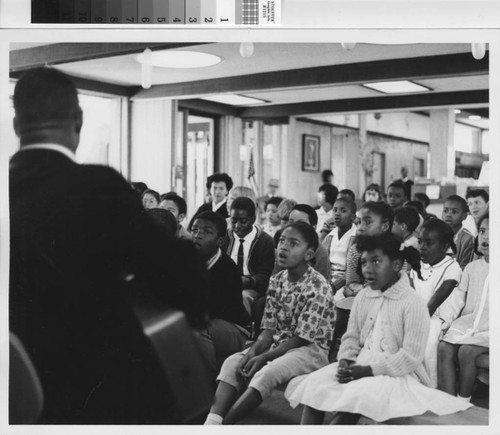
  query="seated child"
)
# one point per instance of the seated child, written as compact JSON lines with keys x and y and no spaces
{"x":380,"y":372}
{"x":397,"y":195}
{"x":373,"y":192}
{"x":296,"y":332}
{"x":469,"y":335}
{"x":327,"y":195}
{"x":347,"y":193}
{"x":406,"y":221}
{"x":165,"y":218}
{"x":176,"y":205}
{"x":250,"y":248}
{"x":230,"y":324}
{"x":150,"y":199}
{"x":374,"y":218}
{"x":455,"y":211}
{"x":440,"y":276}
{"x":284,"y":210}
{"x":338,"y":241}
{"x":425,"y":201}
{"x":305,"y":213}
{"x":273,"y":222}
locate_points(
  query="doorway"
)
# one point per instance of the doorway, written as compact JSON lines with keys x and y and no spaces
{"x":194,"y":160}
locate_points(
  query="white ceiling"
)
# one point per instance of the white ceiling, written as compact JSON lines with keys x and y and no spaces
{"x":125,"y":70}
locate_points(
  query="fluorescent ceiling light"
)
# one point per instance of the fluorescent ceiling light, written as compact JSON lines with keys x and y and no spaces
{"x":234,"y":100}
{"x":457,"y":111}
{"x":474,"y":117}
{"x":181,"y":59}
{"x":397,"y":87}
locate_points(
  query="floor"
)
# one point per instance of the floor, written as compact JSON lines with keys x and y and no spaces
{"x":277,"y":411}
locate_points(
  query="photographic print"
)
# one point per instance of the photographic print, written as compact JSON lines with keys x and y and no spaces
{"x":310,"y":153}
{"x":196,"y":137}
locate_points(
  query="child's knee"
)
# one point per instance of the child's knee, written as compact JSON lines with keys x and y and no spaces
{"x":467,"y":353}
{"x":446,"y":351}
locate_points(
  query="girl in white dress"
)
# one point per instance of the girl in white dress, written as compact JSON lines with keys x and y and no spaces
{"x":469,"y":335}
{"x":437,"y":286}
{"x":380,"y":372}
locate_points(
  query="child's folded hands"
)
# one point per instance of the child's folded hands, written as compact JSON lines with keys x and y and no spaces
{"x":347,"y":371}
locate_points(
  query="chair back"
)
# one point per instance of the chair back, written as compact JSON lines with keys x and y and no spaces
{"x":25,"y":389}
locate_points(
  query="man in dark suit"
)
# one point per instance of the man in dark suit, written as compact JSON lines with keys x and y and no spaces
{"x":81,"y":247}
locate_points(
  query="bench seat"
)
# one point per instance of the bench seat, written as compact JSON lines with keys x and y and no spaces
{"x":473,"y":416}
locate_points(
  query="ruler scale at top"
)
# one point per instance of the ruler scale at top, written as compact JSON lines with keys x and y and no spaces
{"x":168,"y":12}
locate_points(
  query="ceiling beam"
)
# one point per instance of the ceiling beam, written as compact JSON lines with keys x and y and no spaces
{"x":448,"y":65}
{"x":94,"y":86}
{"x":399,"y":102}
{"x":55,"y":54}
{"x":208,"y":107}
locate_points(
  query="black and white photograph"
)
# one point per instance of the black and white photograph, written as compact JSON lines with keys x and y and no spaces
{"x":310,"y":153}
{"x":258,"y":227}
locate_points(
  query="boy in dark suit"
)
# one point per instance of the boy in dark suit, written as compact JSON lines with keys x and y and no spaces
{"x":251,"y":249}
{"x":230,"y":324}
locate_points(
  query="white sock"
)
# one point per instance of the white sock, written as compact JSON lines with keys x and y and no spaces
{"x":467,"y":399}
{"x":213,"y":419}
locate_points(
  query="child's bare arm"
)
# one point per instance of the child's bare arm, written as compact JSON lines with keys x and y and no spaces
{"x":263,"y":342}
{"x":440,"y":295}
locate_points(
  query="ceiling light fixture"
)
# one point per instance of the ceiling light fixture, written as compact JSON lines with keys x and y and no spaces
{"x":478,"y":50}
{"x":397,"y":87}
{"x":348,"y":45}
{"x":180,"y":59}
{"x":146,"y":69}
{"x":474,"y":118}
{"x":234,"y":99}
{"x":457,"y":111}
{"x":246,"y":49}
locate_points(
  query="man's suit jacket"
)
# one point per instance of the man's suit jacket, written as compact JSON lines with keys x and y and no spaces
{"x":81,"y":244}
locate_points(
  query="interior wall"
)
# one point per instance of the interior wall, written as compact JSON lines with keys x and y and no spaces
{"x":151,"y":143}
{"x":398,"y":153}
{"x":298,"y":184}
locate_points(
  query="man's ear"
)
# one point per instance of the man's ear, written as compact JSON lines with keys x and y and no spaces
{"x":309,"y":254}
{"x":16,"y":126}
{"x":220,"y":241}
{"x":404,"y":226}
{"x":181,"y":217}
{"x":78,"y":119}
{"x":253,"y":219}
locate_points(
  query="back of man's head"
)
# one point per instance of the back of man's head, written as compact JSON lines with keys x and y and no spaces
{"x":44,"y":98}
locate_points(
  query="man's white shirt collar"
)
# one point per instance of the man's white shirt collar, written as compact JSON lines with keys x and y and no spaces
{"x":53,"y":147}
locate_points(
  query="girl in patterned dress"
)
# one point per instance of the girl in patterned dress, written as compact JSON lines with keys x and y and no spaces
{"x":296,"y":331}
{"x":380,"y":372}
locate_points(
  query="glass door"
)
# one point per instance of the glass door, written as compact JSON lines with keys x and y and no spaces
{"x":199,"y":160}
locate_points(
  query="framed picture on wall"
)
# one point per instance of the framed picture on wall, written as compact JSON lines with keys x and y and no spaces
{"x":310,"y":153}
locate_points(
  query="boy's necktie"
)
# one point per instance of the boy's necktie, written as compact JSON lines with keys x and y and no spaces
{"x":240,"y":257}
